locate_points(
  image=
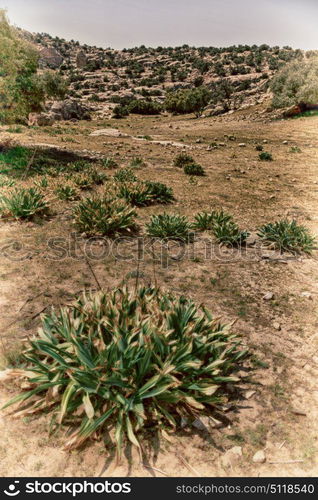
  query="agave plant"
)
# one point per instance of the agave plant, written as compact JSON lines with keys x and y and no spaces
{"x":23,"y":203}
{"x":66,"y":193}
{"x":119,"y":362}
{"x":137,"y":162}
{"x":159,"y":192}
{"x":140,"y":194}
{"x":205,"y":221}
{"x":104,"y":216}
{"x":166,"y":226}
{"x":288,"y":236}
{"x":109,"y":163}
{"x":125,"y":175}
{"x":229,"y":233}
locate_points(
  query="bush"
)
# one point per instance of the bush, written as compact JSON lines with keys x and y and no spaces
{"x":120,"y":111}
{"x":137,"y":162}
{"x":265,"y":156}
{"x":166,"y":226}
{"x":109,"y":163}
{"x":66,"y":193}
{"x":193,"y":169}
{"x":141,"y":194}
{"x":145,"y":107}
{"x":104,"y":216}
{"x":159,"y":192}
{"x":107,"y":380}
{"x":205,"y":221}
{"x":183,"y":159}
{"x":296,"y":83}
{"x":259,"y":147}
{"x":188,"y":101}
{"x":288,"y":236}
{"x":23,"y":203}
{"x":22,"y":90}
{"x":125,"y":175}
{"x":228,"y":232}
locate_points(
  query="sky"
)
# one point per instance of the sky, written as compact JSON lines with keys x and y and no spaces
{"x":130,"y":23}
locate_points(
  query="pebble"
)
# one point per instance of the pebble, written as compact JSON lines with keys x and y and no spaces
{"x":242,"y":145}
{"x":268,"y":296}
{"x":276,"y":325}
{"x":259,"y":457}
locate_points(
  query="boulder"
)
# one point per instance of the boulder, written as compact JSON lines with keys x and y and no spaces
{"x":50,"y":58}
{"x":81,"y":59}
{"x":70,"y":109}
{"x":41,"y":119}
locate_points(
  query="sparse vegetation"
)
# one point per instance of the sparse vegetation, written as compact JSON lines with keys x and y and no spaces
{"x":265,"y":156}
{"x":288,"y":236}
{"x":229,"y":233}
{"x":182,"y":160}
{"x":23,"y":203}
{"x":194,"y":169}
{"x":168,"y":226}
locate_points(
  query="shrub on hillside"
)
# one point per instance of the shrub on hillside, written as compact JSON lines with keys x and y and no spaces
{"x":188,"y":101}
{"x":166,"y":226}
{"x":145,"y":107}
{"x":183,"y":159}
{"x":194,"y":169}
{"x":288,"y":236}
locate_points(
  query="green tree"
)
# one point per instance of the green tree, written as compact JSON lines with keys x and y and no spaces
{"x":22,"y":89}
{"x":188,"y":101}
{"x":296,"y":84}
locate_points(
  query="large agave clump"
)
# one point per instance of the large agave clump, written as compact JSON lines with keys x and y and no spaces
{"x":118,"y":362}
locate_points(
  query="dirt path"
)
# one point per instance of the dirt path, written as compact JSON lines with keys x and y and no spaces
{"x":280,"y":417}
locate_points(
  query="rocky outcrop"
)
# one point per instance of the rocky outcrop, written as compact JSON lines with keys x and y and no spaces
{"x":41,"y":119}
{"x":70,"y":109}
{"x":50,"y":58}
{"x":81,"y":59}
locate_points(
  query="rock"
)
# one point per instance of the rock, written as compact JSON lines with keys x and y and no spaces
{"x":259,"y":457}
{"x":265,"y":141}
{"x":202,"y":423}
{"x":249,"y":394}
{"x":70,"y":109}
{"x":81,"y":59}
{"x":307,"y":295}
{"x":268,"y":296}
{"x":108,"y":132}
{"x":276,"y":325}
{"x":285,"y":142}
{"x":41,"y":119}
{"x":292,"y":111}
{"x":242,"y":145}
{"x":232,"y":457}
{"x":50,"y":58}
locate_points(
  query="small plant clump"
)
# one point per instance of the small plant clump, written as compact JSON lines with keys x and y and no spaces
{"x":109,"y":163}
{"x":104,"y":216}
{"x":137,"y":162}
{"x":265,"y":156}
{"x":166,"y":226}
{"x":182,"y":160}
{"x":259,"y":147}
{"x":194,"y":169}
{"x":288,"y":236}
{"x":23,"y":203}
{"x":119,"y":363}
{"x":205,"y":221}
{"x":66,"y":193}
{"x":125,"y":175}
{"x":228,"y":233}
{"x":141,"y":194}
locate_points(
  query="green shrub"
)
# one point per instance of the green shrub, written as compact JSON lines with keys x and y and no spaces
{"x":109,"y":163}
{"x":194,"y":169}
{"x":145,"y":107}
{"x":188,"y":101}
{"x":137,"y":162}
{"x":295,"y":149}
{"x":166,"y":226}
{"x":228,"y":232}
{"x":23,"y":203}
{"x":125,"y":175}
{"x":159,"y":192}
{"x":66,"y":193}
{"x":120,"y":111}
{"x":265,"y":156}
{"x":183,"y":159}
{"x":118,"y":363}
{"x":259,"y":147}
{"x":205,"y":221}
{"x":104,"y":216}
{"x":288,"y":236}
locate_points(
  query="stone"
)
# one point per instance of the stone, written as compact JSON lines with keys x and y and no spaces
{"x":307,"y":295}
{"x":232,"y":457}
{"x":41,"y":119}
{"x":259,"y":457}
{"x":70,"y":109}
{"x":276,"y":325}
{"x":268,"y":296}
{"x":50,"y":58}
{"x":81,"y":59}
{"x":249,"y":394}
{"x":242,"y":145}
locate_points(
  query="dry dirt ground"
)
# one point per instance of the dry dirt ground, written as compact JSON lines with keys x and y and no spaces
{"x":278,"y":413}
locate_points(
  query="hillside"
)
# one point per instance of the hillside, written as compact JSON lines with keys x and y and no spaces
{"x":104,"y":77}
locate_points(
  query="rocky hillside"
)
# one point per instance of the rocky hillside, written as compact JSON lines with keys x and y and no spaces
{"x":104,"y":77}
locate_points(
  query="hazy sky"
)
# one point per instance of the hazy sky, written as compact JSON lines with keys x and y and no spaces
{"x":128,"y":23}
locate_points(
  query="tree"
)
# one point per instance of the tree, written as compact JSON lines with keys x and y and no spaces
{"x":296,"y":84}
{"x":222,"y":91}
{"x":22,"y":89}
{"x":188,"y":101}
